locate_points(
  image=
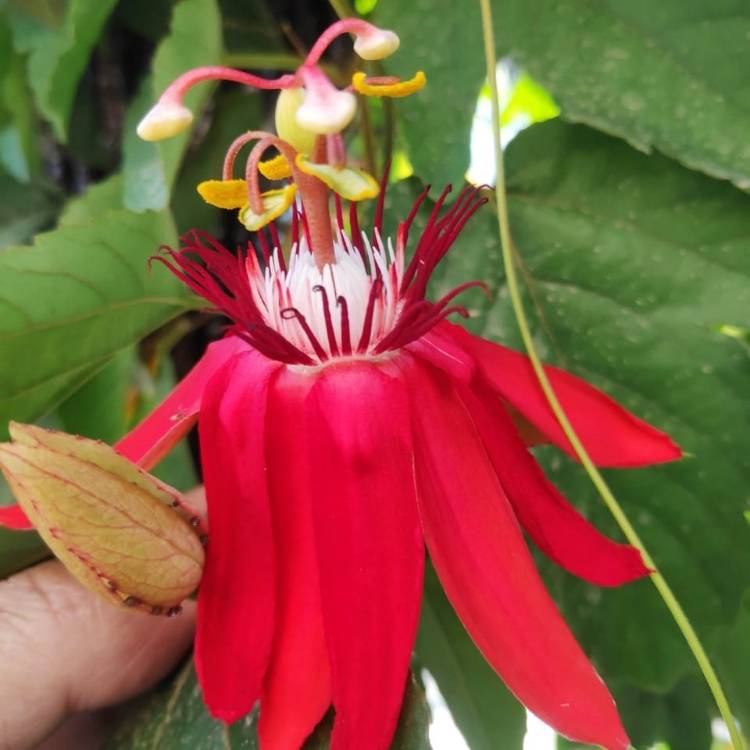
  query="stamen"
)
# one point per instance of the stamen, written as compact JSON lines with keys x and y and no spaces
{"x":332,"y":345}
{"x":388,"y":85}
{"x":292,"y":313}
{"x":356,"y":232}
{"x":371,"y":42}
{"x":346,"y":342}
{"x":325,"y":109}
{"x":364,"y":340}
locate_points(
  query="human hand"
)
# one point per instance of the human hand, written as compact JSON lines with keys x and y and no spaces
{"x":65,"y":653}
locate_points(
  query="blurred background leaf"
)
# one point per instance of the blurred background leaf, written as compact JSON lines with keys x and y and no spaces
{"x":58,"y":41}
{"x":194,"y":39}
{"x":174,"y":716}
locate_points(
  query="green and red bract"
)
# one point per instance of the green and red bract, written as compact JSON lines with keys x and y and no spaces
{"x":346,"y":427}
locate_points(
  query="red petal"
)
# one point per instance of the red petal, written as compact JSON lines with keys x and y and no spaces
{"x":611,"y":435}
{"x":158,"y":433}
{"x":557,"y":528}
{"x":489,"y":576}
{"x":297,"y":689}
{"x":13,"y":517}
{"x":441,"y":351}
{"x":369,"y":544}
{"x":236,"y":597}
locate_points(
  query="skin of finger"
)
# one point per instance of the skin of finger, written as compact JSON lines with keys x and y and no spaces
{"x":63,"y":650}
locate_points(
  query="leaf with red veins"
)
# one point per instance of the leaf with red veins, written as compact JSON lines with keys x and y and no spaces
{"x":115,"y":528}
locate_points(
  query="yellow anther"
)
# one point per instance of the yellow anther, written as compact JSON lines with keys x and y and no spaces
{"x":164,"y":120}
{"x":224,"y":193}
{"x":275,"y":169}
{"x":351,"y":184}
{"x":394,"y":90}
{"x":275,"y":203}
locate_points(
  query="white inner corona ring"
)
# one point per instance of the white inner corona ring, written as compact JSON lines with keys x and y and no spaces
{"x":354,"y":278}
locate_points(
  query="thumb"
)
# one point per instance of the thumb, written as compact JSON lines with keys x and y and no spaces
{"x":64,"y":650}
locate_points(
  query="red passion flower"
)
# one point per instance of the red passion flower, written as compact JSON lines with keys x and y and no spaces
{"x":346,"y":428}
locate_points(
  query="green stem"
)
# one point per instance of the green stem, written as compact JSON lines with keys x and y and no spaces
{"x":341,"y":8}
{"x":667,"y":595}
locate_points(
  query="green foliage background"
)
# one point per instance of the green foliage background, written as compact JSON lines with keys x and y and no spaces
{"x":630,"y":212}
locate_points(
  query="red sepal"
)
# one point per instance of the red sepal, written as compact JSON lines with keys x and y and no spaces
{"x":369,"y":545}
{"x":161,"y":430}
{"x":611,"y":434}
{"x":236,"y":596}
{"x":489,"y":576}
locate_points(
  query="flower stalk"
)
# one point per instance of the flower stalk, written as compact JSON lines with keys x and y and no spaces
{"x":509,"y":262}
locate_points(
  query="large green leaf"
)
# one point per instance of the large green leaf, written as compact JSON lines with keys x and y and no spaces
{"x":442,"y":41}
{"x":486,"y":713}
{"x":174,"y":716}
{"x":670,"y":75}
{"x":635,"y":263}
{"x":73,"y":300}
{"x":681,"y":717}
{"x":59,"y":50}
{"x":149,"y":169}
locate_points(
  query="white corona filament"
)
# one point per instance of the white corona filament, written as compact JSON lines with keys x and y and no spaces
{"x":352,"y":277}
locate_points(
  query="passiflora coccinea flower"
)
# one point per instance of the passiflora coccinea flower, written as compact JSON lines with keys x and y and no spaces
{"x":346,"y":427}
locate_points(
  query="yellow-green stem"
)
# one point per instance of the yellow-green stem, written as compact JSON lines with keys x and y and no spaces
{"x":597,"y":479}
{"x":341,"y":8}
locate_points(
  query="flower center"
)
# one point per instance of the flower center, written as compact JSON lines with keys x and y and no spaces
{"x":347,"y":307}
{"x":367,"y":302}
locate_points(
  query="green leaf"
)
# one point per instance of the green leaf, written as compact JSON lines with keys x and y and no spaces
{"x":488,"y":715}
{"x":58,"y":54}
{"x":232,"y":112}
{"x":635,"y":263}
{"x":442,"y":41}
{"x":73,"y":300}
{"x":732,"y":660}
{"x":95,"y":203}
{"x":250,"y":27}
{"x":18,"y":549}
{"x":681,"y":717}
{"x":98,"y":410}
{"x":670,"y":75}
{"x":18,"y":146}
{"x":177,"y":468}
{"x":149,"y":169}
{"x":174,"y":716}
{"x":25,"y":209}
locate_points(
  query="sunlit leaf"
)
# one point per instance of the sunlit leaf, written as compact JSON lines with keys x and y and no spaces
{"x":73,"y":300}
